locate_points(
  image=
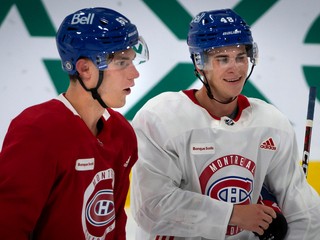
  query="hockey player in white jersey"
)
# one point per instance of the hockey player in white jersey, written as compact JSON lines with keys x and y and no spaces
{"x":205,"y":155}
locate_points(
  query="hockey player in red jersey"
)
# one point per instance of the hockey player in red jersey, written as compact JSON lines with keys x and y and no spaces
{"x":205,"y":155}
{"x":65,"y":163}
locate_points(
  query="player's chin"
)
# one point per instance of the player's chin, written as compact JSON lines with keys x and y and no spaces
{"x":118,"y":101}
{"x":121,"y":101}
{"x":119,"y":104}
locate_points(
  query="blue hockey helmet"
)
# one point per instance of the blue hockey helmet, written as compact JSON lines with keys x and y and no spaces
{"x":96,"y":33}
{"x":219,"y":28}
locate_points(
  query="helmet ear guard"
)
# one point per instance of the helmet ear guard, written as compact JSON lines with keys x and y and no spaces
{"x":198,"y":60}
{"x":253,"y":53}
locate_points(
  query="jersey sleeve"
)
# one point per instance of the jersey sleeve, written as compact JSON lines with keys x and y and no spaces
{"x":25,"y":180}
{"x":299,"y":202}
{"x":123,"y":183}
{"x":121,"y":217}
{"x":126,"y":142}
{"x":158,"y":204}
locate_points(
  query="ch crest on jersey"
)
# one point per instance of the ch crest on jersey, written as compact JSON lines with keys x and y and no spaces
{"x":100,"y":210}
{"x":98,"y":213}
{"x":236,"y":189}
{"x":233,"y":189}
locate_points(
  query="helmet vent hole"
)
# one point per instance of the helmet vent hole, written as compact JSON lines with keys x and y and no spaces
{"x":72,"y":29}
{"x":205,"y":21}
{"x":105,"y":40}
{"x":104,"y":21}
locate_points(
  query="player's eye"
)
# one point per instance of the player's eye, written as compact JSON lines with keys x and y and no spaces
{"x":241,"y":59}
{"x":222,"y":60}
{"x":122,"y":63}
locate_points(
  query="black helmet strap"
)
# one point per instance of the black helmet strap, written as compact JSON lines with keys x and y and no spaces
{"x":209,"y":92}
{"x":94,"y":91}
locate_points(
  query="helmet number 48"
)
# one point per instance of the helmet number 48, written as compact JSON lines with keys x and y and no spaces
{"x":226,"y":19}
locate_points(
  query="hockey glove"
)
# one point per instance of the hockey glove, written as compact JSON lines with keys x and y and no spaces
{"x":278,"y":228}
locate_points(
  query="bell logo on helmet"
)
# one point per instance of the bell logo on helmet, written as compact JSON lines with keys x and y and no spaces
{"x":82,"y":20}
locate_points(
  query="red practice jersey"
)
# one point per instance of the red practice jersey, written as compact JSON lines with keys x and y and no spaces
{"x":59,"y":181}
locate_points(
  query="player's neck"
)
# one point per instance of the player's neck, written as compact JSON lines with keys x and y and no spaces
{"x":213,"y":107}
{"x":88,"y":108}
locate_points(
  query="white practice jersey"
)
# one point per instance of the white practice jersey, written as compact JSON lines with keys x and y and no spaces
{"x":193,"y":167}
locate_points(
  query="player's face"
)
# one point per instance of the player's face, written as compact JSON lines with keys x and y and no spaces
{"x":226,"y":71}
{"x":119,"y":79}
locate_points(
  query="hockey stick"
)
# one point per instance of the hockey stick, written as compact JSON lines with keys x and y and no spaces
{"x":308,"y":132}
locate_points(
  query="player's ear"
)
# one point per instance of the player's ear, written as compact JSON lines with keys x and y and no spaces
{"x":83,"y":67}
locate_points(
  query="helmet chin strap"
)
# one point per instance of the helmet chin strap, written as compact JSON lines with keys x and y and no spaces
{"x":94,"y":91}
{"x":209,"y":92}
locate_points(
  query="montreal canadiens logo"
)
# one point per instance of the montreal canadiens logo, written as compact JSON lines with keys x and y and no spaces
{"x":235,"y":190}
{"x":100,"y":210}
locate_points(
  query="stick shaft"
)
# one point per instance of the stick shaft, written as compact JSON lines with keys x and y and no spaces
{"x":308,"y":132}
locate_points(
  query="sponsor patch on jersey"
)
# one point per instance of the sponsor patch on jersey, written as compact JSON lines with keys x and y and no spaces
{"x":85,"y":164}
{"x":202,"y":148}
{"x":268,"y":144}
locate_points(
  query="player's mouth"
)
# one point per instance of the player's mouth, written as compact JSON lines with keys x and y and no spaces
{"x":127,"y":91}
{"x":231,"y":80}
